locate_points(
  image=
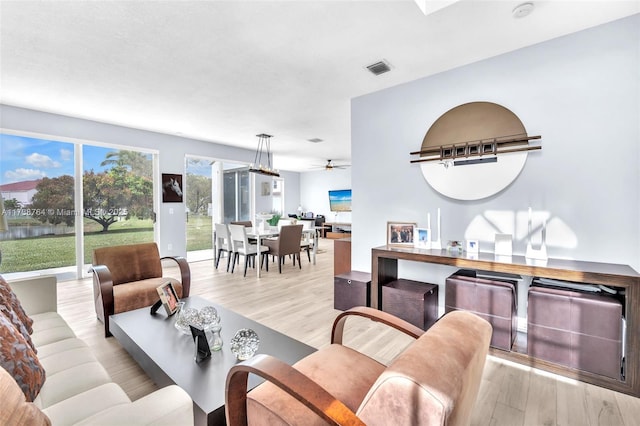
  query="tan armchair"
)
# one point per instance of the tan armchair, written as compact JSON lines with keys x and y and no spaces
{"x":125,"y":278}
{"x":288,"y":242}
{"x":434,"y":381}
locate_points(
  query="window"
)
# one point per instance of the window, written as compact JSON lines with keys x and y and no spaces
{"x":49,"y":228}
{"x":117,"y":193}
{"x":37,"y":182}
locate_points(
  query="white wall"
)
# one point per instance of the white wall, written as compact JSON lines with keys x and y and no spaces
{"x":580,"y":92}
{"x":314,"y":193}
{"x":263,"y":203}
{"x":172,"y":152}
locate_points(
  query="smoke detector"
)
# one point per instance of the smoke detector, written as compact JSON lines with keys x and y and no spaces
{"x":522,"y":10}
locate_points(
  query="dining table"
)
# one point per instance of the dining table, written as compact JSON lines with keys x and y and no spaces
{"x":259,"y":233}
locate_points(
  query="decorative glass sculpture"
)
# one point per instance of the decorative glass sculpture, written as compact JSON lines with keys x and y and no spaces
{"x":184,"y":317}
{"x":245,"y":344}
{"x":180,"y":323}
{"x":209,"y":316}
{"x":211,"y":325}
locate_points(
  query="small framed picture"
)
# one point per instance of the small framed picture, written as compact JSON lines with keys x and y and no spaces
{"x":203,"y":351}
{"x":454,"y":246}
{"x":473,"y":246}
{"x":401,"y":233}
{"x":423,"y":238}
{"x":266,"y":188}
{"x":168,"y":297}
{"x":171,"y":188}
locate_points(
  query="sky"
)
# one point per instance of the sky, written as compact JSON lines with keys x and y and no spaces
{"x":23,"y":158}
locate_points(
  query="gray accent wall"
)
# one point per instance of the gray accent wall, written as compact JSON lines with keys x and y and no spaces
{"x":580,"y":92}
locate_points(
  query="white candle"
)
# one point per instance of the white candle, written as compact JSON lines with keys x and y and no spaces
{"x":428,"y":220}
{"x":438,"y":223}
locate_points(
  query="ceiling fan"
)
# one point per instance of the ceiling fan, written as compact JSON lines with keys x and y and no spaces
{"x":331,"y":165}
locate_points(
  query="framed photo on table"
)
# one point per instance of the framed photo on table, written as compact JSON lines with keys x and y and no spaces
{"x":401,"y":233}
{"x":168,"y":297}
{"x":423,"y":238}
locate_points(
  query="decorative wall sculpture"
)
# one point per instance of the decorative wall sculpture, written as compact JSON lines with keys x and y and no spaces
{"x":474,"y":150}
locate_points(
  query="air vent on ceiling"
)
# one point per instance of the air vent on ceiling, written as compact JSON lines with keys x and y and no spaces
{"x":379,"y":67}
{"x":315,"y":140}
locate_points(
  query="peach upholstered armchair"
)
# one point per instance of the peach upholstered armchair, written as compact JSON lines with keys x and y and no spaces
{"x":434,"y":381}
{"x":125,"y":278}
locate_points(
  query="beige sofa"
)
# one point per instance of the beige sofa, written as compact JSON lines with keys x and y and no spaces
{"x":77,"y":388}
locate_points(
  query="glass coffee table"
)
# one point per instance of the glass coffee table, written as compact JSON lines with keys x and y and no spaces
{"x":168,"y":356}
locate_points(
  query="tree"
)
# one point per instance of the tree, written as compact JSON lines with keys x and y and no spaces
{"x":107,"y":196}
{"x":11,"y":204}
{"x":53,"y":201}
{"x":116,"y":193}
{"x":198,"y":194}
{"x":136,"y":162}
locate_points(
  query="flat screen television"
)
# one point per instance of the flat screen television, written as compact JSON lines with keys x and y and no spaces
{"x":340,"y":200}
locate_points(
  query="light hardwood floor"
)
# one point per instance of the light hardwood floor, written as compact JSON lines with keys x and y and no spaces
{"x":299,"y":303}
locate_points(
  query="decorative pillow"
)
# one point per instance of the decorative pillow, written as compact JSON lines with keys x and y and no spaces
{"x":15,"y":410}
{"x":20,"y":361}
{"x":7,"y":294}
{"x":10,"y":314}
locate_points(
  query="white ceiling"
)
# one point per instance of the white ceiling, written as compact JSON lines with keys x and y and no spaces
{"x":224,"y":71}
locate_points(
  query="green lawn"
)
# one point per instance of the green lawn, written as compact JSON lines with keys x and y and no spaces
{"x":199,"y":233}
{"x":54,"y":251}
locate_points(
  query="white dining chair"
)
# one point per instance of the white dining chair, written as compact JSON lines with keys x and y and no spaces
{"x":242,"y":247}
{"x":284,"y":222}
{"x":223,"y":243}
{"x":307,"y":241}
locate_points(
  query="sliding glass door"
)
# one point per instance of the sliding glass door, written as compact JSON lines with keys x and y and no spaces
{"x":37,"y":179}
{"x":57,"y":216}
{"x":216,"y":192}
{"x":117,"y":189}
{"x":200,"y":207}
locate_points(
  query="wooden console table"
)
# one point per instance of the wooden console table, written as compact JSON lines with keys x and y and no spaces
{"x":384,"y":269}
